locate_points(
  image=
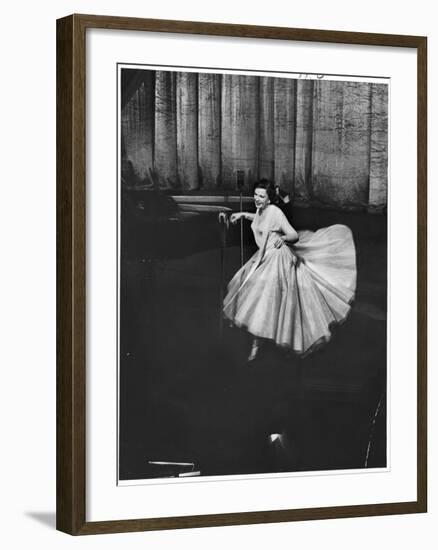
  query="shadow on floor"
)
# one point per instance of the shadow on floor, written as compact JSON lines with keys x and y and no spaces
{"x":45,"y":518}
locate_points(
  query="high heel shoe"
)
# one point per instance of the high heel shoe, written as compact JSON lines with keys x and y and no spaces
{"x":254,"y":350}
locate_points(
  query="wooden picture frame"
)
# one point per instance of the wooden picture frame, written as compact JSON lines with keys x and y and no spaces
{"x":71,"y":273}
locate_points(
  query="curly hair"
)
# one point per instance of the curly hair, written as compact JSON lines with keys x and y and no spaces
{"x":269,"y":186}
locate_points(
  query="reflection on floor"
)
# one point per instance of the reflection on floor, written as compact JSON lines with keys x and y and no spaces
{"x":188,"y":394}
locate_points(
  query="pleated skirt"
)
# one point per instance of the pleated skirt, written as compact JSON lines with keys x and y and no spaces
{"x":294,"y":295}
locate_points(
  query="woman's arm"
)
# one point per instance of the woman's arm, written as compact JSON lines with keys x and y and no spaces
{"x":289,"y":233}
{"x":237,"y":215}
{"x":290,"y":236}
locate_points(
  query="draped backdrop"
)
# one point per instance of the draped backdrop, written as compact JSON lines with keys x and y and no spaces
{"x":324,"y":142}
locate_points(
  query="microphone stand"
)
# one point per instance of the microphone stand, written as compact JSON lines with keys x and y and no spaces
{"x":240,"y":180}
{"x":224,"y":221}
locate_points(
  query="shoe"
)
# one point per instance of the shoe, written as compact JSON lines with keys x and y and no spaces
{"x":254,"y":350}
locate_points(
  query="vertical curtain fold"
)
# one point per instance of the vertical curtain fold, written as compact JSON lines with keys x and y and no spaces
{"x":137,"y":126}
{"x":239,"y":143}
{"x":379,"y":148}
{"x":303,"y":140}
{"x":209,"y":130}
{"x":187,"y":129}
{"x":341,"y":143}
{"x":165,"y":165}
{"x":284,"y":132}
{"x":266,"y":128}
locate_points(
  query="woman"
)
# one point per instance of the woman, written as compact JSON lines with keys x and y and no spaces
{"x":297,"y":285}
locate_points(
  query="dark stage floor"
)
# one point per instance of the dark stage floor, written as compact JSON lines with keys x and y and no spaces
{"x":188,"y":393}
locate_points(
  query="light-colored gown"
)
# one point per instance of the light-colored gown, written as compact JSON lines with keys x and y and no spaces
{"x":293,"y":295}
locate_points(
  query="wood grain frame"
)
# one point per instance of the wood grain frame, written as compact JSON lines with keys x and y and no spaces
{"x":71,"y":270}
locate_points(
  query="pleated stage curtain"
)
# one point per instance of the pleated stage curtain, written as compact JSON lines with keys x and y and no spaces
{"x":325,"y":142}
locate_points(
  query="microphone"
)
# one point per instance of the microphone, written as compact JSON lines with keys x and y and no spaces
{"x":240,"y":180}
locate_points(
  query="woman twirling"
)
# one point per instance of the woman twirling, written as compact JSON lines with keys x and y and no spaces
{"x":297,"y":285}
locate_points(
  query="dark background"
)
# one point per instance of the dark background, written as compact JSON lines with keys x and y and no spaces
{"x":187,"y":392}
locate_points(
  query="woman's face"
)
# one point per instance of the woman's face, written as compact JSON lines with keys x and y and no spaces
{"x":261,"y":198}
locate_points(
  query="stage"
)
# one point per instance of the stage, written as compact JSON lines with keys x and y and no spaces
{"x":188,"y":393}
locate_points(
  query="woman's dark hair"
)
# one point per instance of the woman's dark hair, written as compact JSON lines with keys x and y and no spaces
{"x":269,"y":186}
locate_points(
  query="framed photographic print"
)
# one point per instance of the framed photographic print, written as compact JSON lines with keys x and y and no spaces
{"x":241,"y":288}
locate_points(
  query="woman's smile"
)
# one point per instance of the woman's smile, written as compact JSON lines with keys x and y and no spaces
{"x":261,"y":199}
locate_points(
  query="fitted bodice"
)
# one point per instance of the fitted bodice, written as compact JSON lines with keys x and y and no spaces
{"x":266,"y":226}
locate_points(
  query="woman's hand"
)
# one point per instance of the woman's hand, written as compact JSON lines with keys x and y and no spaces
{"x":279,"y":242}
{"x":235,"y":217}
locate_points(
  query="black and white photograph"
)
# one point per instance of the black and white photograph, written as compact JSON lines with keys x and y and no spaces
{"x":252,"y":272}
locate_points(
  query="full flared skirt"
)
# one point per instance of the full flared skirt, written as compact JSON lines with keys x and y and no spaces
{"x":294,"y":295}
